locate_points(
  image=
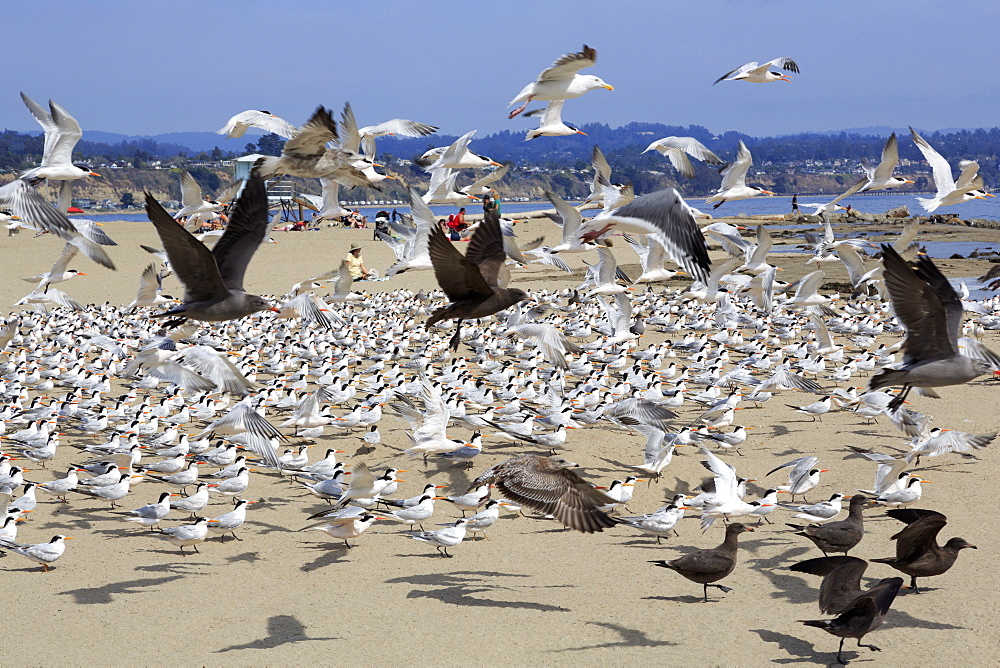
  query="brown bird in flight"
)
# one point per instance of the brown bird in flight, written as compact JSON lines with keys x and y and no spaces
{"x":474,"y":282}
{"x":547,"y":485}
{"x":213,"y":279}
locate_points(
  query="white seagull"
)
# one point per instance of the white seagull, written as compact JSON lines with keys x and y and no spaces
{"x":949,"y":192}
{"x":552,"y":124}
{"x":561,"y":81}
{"x":62,"y":133}
{"x":677,"y":150}
{"x":734,"y":176}
{"x":264,"y":120}
{"x":754,"y":73}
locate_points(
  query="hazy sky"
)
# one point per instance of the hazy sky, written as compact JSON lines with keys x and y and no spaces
{"x":146,"y":67}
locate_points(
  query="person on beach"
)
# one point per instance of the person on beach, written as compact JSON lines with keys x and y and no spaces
{"x":456,"y":223}
{"x":795,"y":203}
{"x":491,"y":202}
{"x":381,"y":224}
{"x":355,"y":263}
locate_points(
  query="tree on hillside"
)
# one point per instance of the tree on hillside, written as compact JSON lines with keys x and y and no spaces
{"x":127,"y":200}
{"x":270,"y":144}
{"x":140,"y":158}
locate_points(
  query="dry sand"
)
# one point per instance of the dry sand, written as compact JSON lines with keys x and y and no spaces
{"x":533,"y":594}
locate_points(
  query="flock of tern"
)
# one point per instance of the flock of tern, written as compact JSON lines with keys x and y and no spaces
{"x":540,"y":363}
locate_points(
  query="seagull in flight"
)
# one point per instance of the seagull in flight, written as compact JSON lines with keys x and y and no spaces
{"x":949,"y":191}
{"x":755,"y":73}
{"x":252,"y":118}
{"x":552,"y":124}
{"x":734,"y":176}
{"x":561,"y":80}
{"x":677,"y":150}
{"x":62,"y":132}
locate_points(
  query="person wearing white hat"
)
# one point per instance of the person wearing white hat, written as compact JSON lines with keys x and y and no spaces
{"x":355,"y":264}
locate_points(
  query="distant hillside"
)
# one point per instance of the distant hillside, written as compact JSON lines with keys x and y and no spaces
{"x":806,"y":162}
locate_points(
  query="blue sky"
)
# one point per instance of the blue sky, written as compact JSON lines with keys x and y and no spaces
{"x":153,"y":67}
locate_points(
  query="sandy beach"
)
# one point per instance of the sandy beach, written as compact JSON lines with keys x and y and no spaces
{"x":532,"y":594}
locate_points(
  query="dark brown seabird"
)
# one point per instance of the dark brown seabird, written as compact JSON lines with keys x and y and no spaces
{"x":932,"y":312}
{"x":213,"y":279}
{"x":473,"y":281}
{"x":917,"y":551}
{"x":709,"y":565}
{"x":859,"y":612}
{"x":838,"y":536}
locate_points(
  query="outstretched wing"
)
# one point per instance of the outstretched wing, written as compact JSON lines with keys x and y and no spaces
{"x":246,"y":230}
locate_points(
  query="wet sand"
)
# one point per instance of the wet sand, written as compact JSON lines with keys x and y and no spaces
{"x":534,"y":593}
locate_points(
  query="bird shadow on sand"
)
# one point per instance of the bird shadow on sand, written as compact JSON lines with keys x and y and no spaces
{"x":615,"y":466}
{"x":800,"y":650}
{"x":684,"y":598}
{"x":466,"y":588}
{"x":789,"y":587}
{"x":870,"y":432}
{"x":264,"y":527}
{"x":181,"y":567}
{"x":754,"y":544}
{"x":281,"y":630}
{"x":780,"y":430}
{"x":106,"y":593}
{"x":649,"y":543}
{"x":630,"y":638}
{"x":330,"y":553}
{"x":247,"y":557}
{"x":906,"y":620}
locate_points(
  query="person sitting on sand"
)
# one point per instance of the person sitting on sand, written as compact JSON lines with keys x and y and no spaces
{"x":355,"y":264}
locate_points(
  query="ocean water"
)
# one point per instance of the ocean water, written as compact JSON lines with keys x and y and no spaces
{"x":939,"y":249}
{"x":988,"y":209}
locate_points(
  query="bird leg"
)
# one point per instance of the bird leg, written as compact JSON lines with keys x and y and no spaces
{"x":236,"y":537}
{"x":349,"y":546}
{"x":222,"y":537}
{"x":871,"y":647}
{"x":723,"y":588}
{"x":45,"y":568}
{"x":913,"y":584}
{"x":456,"y":337}
{"x":519,"y":109}
{"x":839,"y":650}
{"x":900,"y":398}
{"x":196,"y":548}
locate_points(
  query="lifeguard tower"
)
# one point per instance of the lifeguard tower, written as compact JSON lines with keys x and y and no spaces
{"x":281,"y":192}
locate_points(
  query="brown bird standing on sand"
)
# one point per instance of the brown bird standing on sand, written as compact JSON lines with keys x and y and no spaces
{"x":917,"y":551}
{"x":932,"y":312}
{"x":711,"y":565}
{"x":547,"y":484}
{"x":858,"y":612}
{"x":838,"y":536}
{"x":472,"y":282}
{"x":213,"y":279}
